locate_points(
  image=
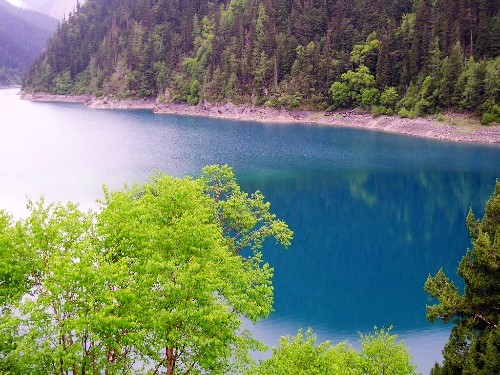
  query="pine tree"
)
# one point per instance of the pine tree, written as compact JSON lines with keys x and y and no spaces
{"x":474,"y":344}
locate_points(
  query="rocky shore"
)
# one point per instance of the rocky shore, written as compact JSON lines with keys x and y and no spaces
{"x":419,"y":127}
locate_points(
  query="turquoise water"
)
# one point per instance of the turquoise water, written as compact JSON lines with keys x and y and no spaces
{"x":373,"y":213}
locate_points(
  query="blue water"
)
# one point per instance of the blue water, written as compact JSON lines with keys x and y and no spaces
{"x":373,"y":213}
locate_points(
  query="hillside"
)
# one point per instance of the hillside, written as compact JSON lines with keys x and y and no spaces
{"x":410,"y":56}
{"x":23,"y":36}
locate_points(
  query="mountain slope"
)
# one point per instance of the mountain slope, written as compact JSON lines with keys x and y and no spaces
{"x":23,"y":35}
{"x":33,"y":17}
{"x":416,"y":56}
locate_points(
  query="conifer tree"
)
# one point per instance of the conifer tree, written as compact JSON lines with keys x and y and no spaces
{"x":474,"y":344}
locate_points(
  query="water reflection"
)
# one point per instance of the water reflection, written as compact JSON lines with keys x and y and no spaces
{"x":373,"y":213}
{"x":364,"y":244}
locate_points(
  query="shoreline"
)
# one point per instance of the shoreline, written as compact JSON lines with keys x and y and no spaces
{"x":418,"y":127}
{"x":10,"y":86}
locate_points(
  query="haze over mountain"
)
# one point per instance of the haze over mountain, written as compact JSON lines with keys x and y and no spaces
{"x":54,"y":8}
{"x":23,"y":36}
{"x":411,"y":56}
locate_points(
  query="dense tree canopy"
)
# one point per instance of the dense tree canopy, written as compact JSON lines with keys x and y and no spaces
{"x":474,"y":344}
{"x":150,"y":281}
{"x":380,"y":353}
{"x":416,"y":56}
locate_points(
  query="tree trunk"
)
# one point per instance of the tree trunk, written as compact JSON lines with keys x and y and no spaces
{"x":170,"y":361}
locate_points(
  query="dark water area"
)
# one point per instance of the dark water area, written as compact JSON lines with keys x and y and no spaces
{"x":373,"y":213}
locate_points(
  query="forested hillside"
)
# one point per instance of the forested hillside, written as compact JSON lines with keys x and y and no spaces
{"x":23,"y":35}
{"x":410,"y":56}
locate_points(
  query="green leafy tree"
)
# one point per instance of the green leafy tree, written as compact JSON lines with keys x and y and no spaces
{"x":491,"y":104}
{"x":14,"y":265}
{"x":388,"y":98}
{"x":245,"y":218}
{"x":358,"y":85}
{"x":380,"y":353}
{"x":341,"y":95}
{"x":152,"y":281}
{"x":474,"y":344}
{"x":367,"y":53}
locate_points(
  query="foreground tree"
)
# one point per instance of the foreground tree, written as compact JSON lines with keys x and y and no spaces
{"x":474,"y":344}
{"x":380,"y":353}
{"x":150,"y":282}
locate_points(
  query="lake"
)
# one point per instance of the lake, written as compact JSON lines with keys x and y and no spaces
{"x":373,"y":213}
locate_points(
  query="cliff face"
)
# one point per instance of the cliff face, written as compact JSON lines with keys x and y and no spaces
{"x":284,"y":53}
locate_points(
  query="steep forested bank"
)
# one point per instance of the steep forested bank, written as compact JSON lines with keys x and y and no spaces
{"x":410,"y":56}
{"x":23,"y":35}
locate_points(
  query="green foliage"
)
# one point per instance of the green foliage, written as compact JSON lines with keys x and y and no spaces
{"x":380,"y":353}
{"x":152,"y":279}
{"x":14,"y":265}
{"x":286,"y":54}
{"x":341,"y":96}
{"x":388,"y":100}
{"x":359,"y":79}
{"x":366,"y":54}
{"x":407,"y":113}
{"x":62,"y":83}
{"x":389,"y":97}
{"x":383,"y":354}
{"x":245,"y":219}
{"x":357,"y":88}
{"x":369,"y":97}
{"x":491,"y":117}
{"x":474,"y":344}
{"x":378,"y":110}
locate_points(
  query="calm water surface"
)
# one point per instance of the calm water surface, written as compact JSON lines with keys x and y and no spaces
{"x":373,"y":213}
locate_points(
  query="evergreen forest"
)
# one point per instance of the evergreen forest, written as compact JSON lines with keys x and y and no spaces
{"x":411,"y":56}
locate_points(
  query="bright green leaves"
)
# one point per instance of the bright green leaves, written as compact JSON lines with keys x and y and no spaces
{"x":362,"y":52}
{"x":246,"y":222}
{"x":298,"y":355}
{"x":381,"y":353}
{"x":357,"y":88}
{"x":341,"y":95}
{"x":474,"y":343}
{"x":245,"y":219}
{"x":62,"y":276}
{"x":14,"y":266}
{"x":149,"y":281}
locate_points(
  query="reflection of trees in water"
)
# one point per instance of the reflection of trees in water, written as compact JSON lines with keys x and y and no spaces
{"x":365,"y":242}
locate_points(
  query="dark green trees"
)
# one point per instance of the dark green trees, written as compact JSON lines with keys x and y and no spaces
{"x":474,"y":344}
{"x":278,"y":53}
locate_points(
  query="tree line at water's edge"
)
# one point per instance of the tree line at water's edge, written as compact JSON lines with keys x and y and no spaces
{"x":156,"y":281}
{"x":413,"y":57}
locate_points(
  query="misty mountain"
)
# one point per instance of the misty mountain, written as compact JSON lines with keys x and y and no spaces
{"x":54,"y":8}
{"x":23,"y":36}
